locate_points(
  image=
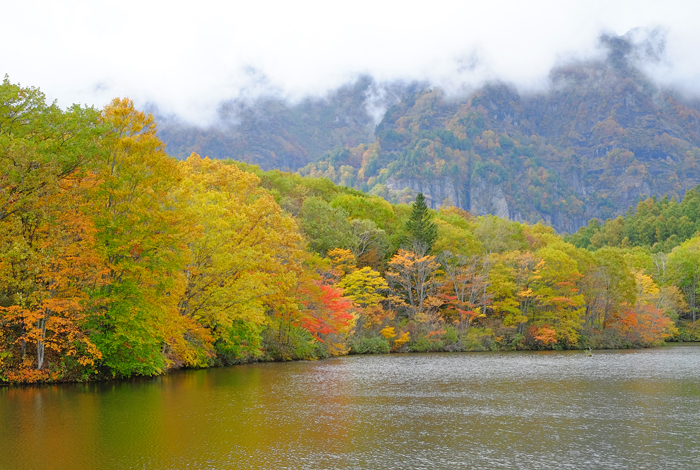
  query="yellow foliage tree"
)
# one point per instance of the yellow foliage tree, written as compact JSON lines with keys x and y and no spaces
{"x":242,"y":254}
{"x":140,"y":232}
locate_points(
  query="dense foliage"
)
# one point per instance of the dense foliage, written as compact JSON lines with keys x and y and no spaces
{"x":117,"y":260}
{"x":658,"y":225}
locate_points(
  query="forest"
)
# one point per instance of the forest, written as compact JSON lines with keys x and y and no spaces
{"x":118,"y":260}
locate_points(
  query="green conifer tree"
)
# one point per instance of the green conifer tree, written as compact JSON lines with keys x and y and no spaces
{"x":420,"y":230}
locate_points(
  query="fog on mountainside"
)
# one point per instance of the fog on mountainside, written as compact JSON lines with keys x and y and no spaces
{"x":602,"y":136}
{"x":272,"y":133}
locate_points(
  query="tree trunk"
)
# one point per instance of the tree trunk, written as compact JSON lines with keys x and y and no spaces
{"x":40,"y":345}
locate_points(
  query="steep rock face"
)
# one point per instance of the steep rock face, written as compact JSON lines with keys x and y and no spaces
{"x":488,"y":198}
{"x":436,"y":191}
{"x":484,"y":198}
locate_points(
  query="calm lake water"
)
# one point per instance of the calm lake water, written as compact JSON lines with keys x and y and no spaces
{"x":617,"y":409}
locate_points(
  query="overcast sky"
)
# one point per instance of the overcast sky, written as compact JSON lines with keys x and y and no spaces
{"x":188,"y":56}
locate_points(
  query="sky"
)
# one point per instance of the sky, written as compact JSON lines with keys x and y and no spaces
{"x":186,"y":57}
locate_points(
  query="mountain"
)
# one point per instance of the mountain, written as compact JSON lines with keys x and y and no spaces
{"x":274,"y":134}
{"x":601,"y":137}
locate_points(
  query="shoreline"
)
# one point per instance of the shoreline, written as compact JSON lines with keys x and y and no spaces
{"x":104,"y":380}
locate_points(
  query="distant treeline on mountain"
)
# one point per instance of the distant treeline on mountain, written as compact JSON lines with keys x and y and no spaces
{"x":657,"y":225}
{"x":600,"y":139}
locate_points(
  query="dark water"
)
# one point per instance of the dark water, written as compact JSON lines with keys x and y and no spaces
{"x":617,"y":409}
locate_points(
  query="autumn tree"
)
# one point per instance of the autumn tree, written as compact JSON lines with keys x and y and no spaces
{"x":308,"y":317}
{"x":242,"y":254}
{"x":646,"y":323}
{"x":559,"y":305}
{"x":43,"y":150}
{"x":466,"y":284}
{"x":608,"y":287}
{"x":140,"y":234}
{"x":47,"y":286}
{"x":327,"y":316}
{"x":685,"y":266}
{"x":366,"y":288}
{"x":511,"y":281}
{"x":325,"y":226}
{"x":414,"y":279}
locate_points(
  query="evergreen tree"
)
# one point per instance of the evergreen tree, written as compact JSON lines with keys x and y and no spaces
{"x":421,"y":232}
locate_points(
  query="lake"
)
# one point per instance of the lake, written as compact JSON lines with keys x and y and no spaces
{"x":633,"y":409}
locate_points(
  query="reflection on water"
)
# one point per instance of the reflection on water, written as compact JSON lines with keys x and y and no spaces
{"x":617,"y":409}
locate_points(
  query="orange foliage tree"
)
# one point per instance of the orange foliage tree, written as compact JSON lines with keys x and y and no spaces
{"x":327,"y":315}
{"x":414,"y":278}
{"x":45,"y":328}
{"x":465,"y":288}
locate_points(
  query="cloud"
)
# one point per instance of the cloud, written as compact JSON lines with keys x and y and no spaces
{"x":188,"y":57}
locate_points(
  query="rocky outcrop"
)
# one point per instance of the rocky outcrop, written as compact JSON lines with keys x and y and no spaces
{"x":435,"y":191}
{"x":479,"y":197}
{"x":489,"y":199}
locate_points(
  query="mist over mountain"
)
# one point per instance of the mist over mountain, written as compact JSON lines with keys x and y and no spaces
{"x":602,"y":135}
{"x":273,"y":133}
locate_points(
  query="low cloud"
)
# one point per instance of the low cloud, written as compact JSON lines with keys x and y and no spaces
{"x":187,"y":58}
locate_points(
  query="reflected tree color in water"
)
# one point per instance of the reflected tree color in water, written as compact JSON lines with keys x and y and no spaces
{"x":617,"y":409}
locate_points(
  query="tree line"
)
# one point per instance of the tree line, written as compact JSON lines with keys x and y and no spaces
{"x":117,"y":260}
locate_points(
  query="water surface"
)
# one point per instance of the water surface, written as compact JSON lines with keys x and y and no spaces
{"x":617,"y":409}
